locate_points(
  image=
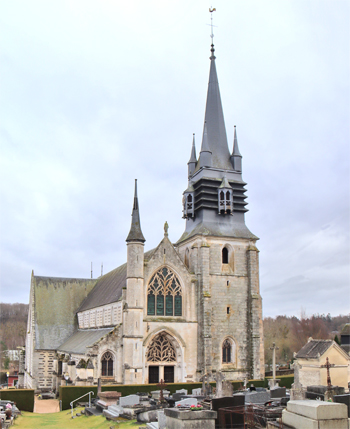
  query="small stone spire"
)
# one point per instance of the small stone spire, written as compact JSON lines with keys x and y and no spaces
{"x":135,"y":233}
{"x":193,"y":159}
{"x":205,"y":158}
{"x":236,"y":157}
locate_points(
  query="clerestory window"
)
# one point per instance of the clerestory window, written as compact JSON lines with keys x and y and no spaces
{"x":164,"y":295}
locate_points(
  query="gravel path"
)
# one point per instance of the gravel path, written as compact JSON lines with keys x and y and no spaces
{"x":43,"y":406}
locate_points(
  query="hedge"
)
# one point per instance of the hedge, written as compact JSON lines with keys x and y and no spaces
{"x":285,"y":380}
{"x":24,"y":398}
{"x":67,"y":394}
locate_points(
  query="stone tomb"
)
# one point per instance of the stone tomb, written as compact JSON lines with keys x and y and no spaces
{"x":308,"y":414}
{"x":197,"y":392}
{"x":130,"y":400}
{"x":109,"y":397}
{"x":187,"y":402}
{"x":187,"y":419}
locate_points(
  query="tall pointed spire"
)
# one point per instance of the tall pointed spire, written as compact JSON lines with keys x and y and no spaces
{"x":214,"y":119}
{"x":236,"y":157}
{"x":193,"y":158}
{"x":135,"y":233}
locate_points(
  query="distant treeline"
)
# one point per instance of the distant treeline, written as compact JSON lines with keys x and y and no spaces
{"x":13,"y":325}
{"x":291,"y":333}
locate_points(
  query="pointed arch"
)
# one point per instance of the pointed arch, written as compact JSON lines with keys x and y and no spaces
{"x":107,"y":364}
{"x":161,"y":349}
{"x":228,"y":351}
{"x":164,"y":293}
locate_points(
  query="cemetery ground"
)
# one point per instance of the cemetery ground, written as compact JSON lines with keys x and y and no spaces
{"x":63,"y":419}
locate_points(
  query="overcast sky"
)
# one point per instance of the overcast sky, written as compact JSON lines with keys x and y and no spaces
{"x":97,"y":93}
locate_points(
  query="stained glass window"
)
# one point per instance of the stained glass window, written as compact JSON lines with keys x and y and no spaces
{"x":164,"y":286}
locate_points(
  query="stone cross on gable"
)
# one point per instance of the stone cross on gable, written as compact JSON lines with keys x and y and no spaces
{"x":161,"y":387}
{"x":328,"y":365}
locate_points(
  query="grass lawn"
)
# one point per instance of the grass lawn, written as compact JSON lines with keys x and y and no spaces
{"x":63,"y":420}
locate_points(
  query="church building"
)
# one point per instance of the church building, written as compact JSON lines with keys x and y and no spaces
{"x":176,"y":312}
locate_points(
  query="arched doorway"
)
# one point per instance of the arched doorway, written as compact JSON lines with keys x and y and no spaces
{"x":161,"y":358}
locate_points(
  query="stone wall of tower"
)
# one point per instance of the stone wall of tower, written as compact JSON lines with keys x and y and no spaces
{"x":230,"y":306}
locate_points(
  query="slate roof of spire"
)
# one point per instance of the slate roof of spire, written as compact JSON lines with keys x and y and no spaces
{"x":135,"y":233}
{"x":235,"y":151}
{"x":193,"y":157}
{"x":215,"y":124}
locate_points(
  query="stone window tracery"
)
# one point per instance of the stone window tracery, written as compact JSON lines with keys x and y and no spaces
{"x":107,"y":365}
{"x":164,"y":294}
{"x":161,"y":350}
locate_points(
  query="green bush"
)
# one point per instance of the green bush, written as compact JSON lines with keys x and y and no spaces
{"x":24,"y":398}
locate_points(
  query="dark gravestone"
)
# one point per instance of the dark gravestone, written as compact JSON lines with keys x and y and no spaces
{"x":278,"y":392}
{"x":316,"y":389}
{"x":285,"y":400}
{"x":177,"y":396}
{"x":314,"y":395}
{"x":343,"y":399}
{"x":223,"y":419}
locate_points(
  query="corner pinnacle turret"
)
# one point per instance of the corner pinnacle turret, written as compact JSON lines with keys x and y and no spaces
{"x":135,"y":233}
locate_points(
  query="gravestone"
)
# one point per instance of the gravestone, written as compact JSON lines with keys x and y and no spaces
{"x":183,"y":391}
{"x":177,"y":396}
{"x":297,"y":392}
{"x":343,"y":399}
{"x":187,"y":402}
{"x":161,"y":419}
{"x":197,"y":391}
{"x":219,"y":377}
{"x":278,"y":392}
{"x":129,"y":400}
{"x":223,"y":419}
{"x":227,"y":388}
{"x":257,"y":397}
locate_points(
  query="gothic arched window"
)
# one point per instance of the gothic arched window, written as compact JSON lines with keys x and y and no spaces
{"x":161,"y":350}
{"x":107,"y":365}
{"x":225,"y":255}
{"x":226,"y":351}
{"x":164,"y":295}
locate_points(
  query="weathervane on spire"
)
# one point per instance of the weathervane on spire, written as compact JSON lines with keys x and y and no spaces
{"x":211,"y":10}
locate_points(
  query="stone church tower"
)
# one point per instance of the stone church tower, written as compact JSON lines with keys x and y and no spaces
{"x":219,"y":248}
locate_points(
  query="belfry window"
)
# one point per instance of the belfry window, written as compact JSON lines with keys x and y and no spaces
{"x":164,"y":296}
{"x":188,"y":202}
{"x":107,"y":365}
{"x":225,"y":197}
{"x":225,"y":255}
{"x":226,"y":351}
